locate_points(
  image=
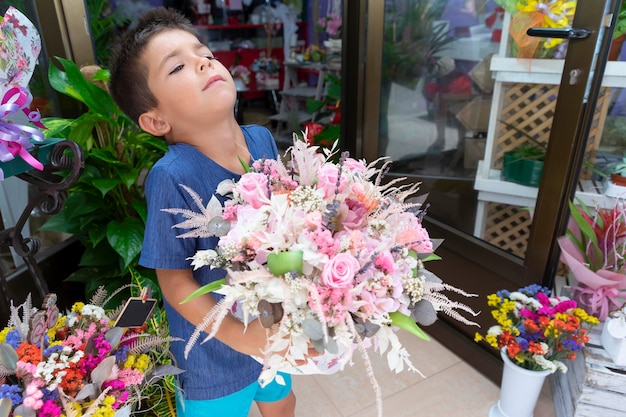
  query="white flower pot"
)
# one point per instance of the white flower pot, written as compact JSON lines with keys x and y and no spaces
{"x":519,"y":390}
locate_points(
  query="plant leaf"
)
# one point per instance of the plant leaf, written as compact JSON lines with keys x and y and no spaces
{"x":205,"y":289}
{"x":126,"y":238}
{"x":8,"y":357}
{"x":406,"y":323}
{"x":5,"y":407}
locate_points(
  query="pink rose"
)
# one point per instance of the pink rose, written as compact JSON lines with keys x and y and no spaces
{"x":339,"y":272}
{"x":327,"y":180}
{"x":252,"y":188}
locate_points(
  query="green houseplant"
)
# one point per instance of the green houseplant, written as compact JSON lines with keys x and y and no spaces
{"x":410,"y":42}
{"x":106,"y":208}
{"x":524,"y":164}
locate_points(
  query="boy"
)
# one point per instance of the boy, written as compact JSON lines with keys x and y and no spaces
{"x":164,"y":78}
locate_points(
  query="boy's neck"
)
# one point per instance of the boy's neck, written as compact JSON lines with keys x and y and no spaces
{"x":223,"y":143}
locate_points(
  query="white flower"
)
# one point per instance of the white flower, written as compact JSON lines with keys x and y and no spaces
{"x":95,"y":313}
{"x":495,"y":330}
{"x":225,"y":187}
{"x":202,"y":258}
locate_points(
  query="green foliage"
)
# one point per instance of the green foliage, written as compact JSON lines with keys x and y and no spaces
{"x":533,"y":149}
{"x":620,"y":25}
{"x":106,"y":207}
{"x":411,"y":40}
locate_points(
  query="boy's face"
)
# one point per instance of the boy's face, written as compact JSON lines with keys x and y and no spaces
{"x":190,"y":86}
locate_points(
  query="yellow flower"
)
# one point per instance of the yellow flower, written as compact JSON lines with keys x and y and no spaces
{"x":3,"y":334}
{"x":478,"y":337}
{"x":130,"y":361}
{"x":143,"y":361}
{"x":492,"y":339}
{"x":78,"y":307}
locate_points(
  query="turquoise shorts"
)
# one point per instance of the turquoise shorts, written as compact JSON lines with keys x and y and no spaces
{"x":237,"y":404}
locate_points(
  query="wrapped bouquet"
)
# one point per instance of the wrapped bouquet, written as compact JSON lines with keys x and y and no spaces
{"x":325,"y":254}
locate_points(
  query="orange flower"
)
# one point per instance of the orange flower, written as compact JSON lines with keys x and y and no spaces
{"x":72,"y":381}
{"x":29,"y":353}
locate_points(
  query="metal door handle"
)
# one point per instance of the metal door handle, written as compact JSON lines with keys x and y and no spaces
{"x":568,"y":33}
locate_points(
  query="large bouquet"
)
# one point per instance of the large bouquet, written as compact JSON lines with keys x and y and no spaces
{"x":593,"y":248}
{"x":325,"y":252}
{"x":527,"y":14}
{"x":537,"y":330}
{"x":77,"y":364}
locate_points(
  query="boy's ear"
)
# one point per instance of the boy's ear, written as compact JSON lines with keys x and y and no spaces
{"x":151,"y":123}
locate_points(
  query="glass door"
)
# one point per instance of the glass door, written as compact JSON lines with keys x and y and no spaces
{"x":449,"y":91}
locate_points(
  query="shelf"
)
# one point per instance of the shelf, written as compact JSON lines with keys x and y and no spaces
{"x":493,"y":189}
{"x":286,"y":117}
{"x":301,"y":92}
{"x":228,"y":26}
{"x":548,"y":71}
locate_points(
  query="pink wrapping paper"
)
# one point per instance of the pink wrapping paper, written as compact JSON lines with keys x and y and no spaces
{"x":599,"y":291}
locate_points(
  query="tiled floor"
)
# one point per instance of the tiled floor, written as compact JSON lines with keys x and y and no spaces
{"x":451,"y":388}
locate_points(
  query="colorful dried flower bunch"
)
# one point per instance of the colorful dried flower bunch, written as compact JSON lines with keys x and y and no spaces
{"x":537,"y":330}
{"x":78,"y":363}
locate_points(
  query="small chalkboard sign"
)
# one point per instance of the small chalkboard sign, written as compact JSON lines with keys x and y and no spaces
{"x":136,"y":312}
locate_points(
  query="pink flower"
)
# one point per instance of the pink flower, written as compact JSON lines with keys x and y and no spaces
{"x":354,"y":166}
{"x":252,"y":188}
{"x":339,"y":272}
{"x":327,"y":180}
{"x":355,"y":215}
{"x":384,"y":262}
{"x":416,"y":238}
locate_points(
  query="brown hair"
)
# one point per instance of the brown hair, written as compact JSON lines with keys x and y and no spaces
{"x":129,"y":83}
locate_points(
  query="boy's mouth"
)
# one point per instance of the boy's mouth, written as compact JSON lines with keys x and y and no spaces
{"x":211,"y":81}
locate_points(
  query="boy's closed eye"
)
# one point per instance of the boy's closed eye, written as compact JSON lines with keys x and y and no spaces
{"x":181,"y":66}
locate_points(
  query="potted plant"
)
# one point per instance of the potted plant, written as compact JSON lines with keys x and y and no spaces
{"x":411,"y":41}
{"x":535,"y":332}
{"x":524,"y":164}
{"x":106,"y":207}
{"x":593,"y":249}
{"x":325,"y":127}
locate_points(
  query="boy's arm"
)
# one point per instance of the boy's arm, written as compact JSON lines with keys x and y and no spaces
{"x":177,"y":284}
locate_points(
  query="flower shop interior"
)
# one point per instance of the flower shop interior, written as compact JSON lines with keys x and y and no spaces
{"x":516,"y":138}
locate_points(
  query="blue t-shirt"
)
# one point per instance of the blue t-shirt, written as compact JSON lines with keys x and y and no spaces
{"x":212,"y":369}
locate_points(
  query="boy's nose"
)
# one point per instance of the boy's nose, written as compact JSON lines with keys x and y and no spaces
{"x":204,"y":63}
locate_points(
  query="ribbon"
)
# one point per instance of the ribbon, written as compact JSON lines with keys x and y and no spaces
{"x":15,"y":139}
{"x":539,"y":13}
{"x":598,"y":302}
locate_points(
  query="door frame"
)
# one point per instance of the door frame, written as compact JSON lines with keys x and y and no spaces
{"x":466,"y":257}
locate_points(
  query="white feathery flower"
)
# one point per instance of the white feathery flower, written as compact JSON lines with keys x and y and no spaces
{"x":202,"y":258}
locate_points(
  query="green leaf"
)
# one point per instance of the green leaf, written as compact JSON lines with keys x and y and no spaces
{"x":101,"y":254}
{"x":126,"y":238}
{"x":245,"y":166}
{"x":98,"y":100}
{"x":205,"y":289}
{"x":61,"y":83}
{"x":81,"y":203}
{"x":107,"y":155}
{"x":129,"y":176}
{"x":141,"y":207}
{"x":97,"y":234}
{"x":432,"y":257}
{"x":313,"y":106}
{"x":406,"y":323}
{"x":61,"y":223}
{"x":104,"y":185}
